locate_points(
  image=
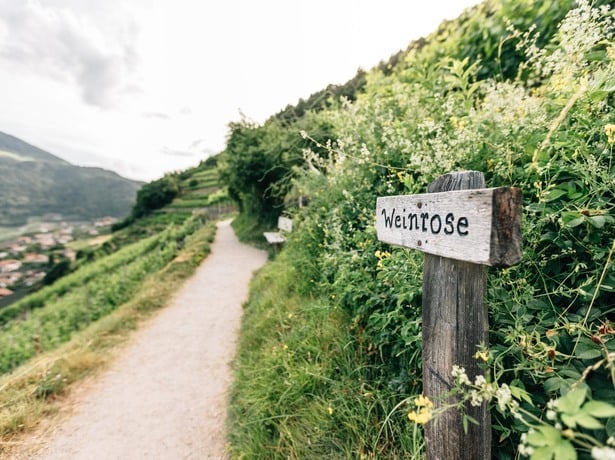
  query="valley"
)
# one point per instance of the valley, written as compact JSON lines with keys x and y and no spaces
{"x":37,"y":253}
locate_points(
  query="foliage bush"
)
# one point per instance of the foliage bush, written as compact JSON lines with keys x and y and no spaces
{"x":531,"y":110}
{"x":260,"y":161}
{"x":154,"y":195}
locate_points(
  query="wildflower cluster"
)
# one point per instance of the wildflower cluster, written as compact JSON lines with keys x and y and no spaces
{"x":381,"y":255}
{"x":564,"y":423}
{"x":610,"y":133}
{"x":481,"y":391}
{"x":424,"y":411}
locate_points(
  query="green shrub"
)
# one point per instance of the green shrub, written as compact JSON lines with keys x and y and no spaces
{"x":531,"y":111}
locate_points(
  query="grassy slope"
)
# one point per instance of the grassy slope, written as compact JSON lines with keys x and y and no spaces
{"x":552,"y":315}
{"x":304,"y":386}
{"x":34,"y":390}
{"x":30,"y":392}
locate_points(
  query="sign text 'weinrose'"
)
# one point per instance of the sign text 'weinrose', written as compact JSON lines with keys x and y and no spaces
{"x":467,"y":225}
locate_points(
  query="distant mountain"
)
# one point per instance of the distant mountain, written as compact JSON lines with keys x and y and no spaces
{"x":34,"y":182}
{"x":11,"y":145}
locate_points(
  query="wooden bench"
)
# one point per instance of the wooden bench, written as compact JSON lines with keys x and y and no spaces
{"x":285,"y":225}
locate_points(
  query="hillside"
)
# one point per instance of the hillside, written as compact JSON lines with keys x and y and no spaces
{"x":174,"y":199}
{"x":34,"y":183}
{"x":68,"y":328}
{"x":330,"y":360}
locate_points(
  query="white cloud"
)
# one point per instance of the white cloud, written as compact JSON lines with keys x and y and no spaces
{"x":168,"y":72}
{"x":60,"y":43}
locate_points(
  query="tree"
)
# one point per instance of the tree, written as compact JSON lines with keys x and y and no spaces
{"x":260,"y":162}
{"x":155,"y":195}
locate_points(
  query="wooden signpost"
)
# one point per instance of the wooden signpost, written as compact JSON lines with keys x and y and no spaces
{"x":462,"y":228}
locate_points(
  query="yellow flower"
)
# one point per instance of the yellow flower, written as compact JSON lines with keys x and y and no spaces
{"x":482,"y":355}
{"x":330,"y":410}
{"x":610,"y":133}
{"x":421,"y":417}
{"x":381,"y":255}
{"x":423,"y":401}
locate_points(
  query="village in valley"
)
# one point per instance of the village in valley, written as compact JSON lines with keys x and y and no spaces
{"x":26,"y":260}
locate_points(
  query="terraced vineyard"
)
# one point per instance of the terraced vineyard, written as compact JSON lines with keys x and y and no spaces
{"x":200,"y":193}
{"x":111,"y":273}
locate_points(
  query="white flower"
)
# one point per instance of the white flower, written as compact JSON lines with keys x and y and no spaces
{"x":525,"y":450}
{"x":504,"y":396}
{"x":551,"y":415}
{"x":477,"y":399}
{"x":459,"y":373}
{"x":603,"y":453}
{"x":552,"y":404}
{"x":480,"y":380}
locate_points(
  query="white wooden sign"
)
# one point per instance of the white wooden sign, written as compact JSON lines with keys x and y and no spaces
{"x":481,"y":226}
{"x":460,"y":226}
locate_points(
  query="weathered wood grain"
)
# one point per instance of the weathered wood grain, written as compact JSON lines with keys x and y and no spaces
{"x":480,"y":226}
{"x":455,"y":322}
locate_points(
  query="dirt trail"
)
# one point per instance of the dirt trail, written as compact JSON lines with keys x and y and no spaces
{"x":165,"y":397}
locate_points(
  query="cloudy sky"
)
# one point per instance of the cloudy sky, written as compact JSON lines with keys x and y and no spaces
{"x":145,"y":87}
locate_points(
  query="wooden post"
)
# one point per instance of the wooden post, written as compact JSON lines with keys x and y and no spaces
{"x":462,"y":228}
{"x":455,"y":321}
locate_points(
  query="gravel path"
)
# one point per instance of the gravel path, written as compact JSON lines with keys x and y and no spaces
{"x":165,"y":397}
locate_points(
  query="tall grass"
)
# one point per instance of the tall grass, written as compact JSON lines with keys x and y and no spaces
{"x":303,"y":389}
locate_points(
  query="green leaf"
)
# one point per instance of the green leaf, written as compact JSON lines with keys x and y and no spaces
{"x":553,"y":384}
{"x":569,"y":420}
{"x":537,"y":439}
{"x":466,"y":419}
{"x":587,"y":351}
{"x":565,"y":451}
{"x":610,"y":426}
{"x":575,"y":222}
{"x":542,"y":453}
{"x":597,"y":221}
{"x":571,"y":373}
{"x":599,"y":409}
{"x":571,"y":402}
{"x":551,"y":435}
{"x":568,"y":216}
{"x":589,"y":354}
{"x":520,"y":393}
{"x":555,"y":194}
{"x":587,"y":421}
